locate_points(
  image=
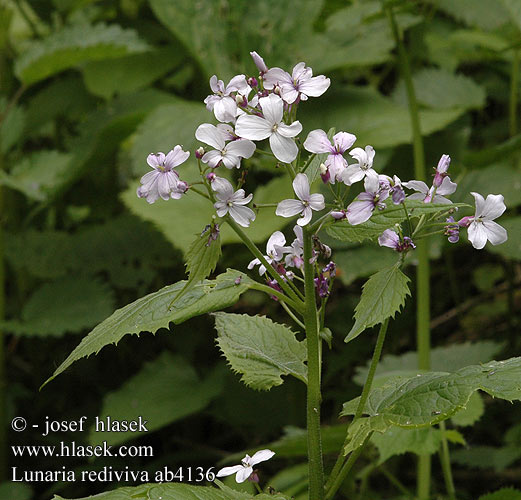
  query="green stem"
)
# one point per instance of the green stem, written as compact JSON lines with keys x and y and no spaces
{"x":257,"y":253}
{"x":445,"y":464}
{"x":282,"y":298}
{"x":395,"y":481}
{"x":423,"y":272}
{"x":292,"y":316}
{"x":340,"y":471}
{"x":514,"y":85}
{"x":316,"y":472}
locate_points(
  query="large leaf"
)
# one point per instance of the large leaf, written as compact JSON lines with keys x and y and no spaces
{"x":502,"y":494}
{"x":176,"y":491}
{"x":383,"y":295}
{"x":429,"y":398}
{"x":152,"y":312}
{"x":259,"y":349}
{"x":165,"y":390}
{"x":73,"y":45}
{"x":70,"y":304}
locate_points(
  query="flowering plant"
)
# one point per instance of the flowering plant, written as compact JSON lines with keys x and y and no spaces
{"x":323,"y":172}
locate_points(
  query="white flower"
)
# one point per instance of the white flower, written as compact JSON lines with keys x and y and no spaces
{"x":307,"y":203}
{"x":163,"y":181}
{"x":229,"y":154}
{"x":357,"y":171}
{"x":432,"y":194}
{"x":271,"y":125}
{"x":482,"y":227}
{"x":232,"y":202}
{"x":301,"y":84}
{"x":221,"y":102}
{"x":295,"y":256}
{"x":245,"y":469}
{"x":274,"y":249}
{"x":318,"y":142}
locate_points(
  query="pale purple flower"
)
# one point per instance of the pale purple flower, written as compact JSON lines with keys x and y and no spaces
{"x":259,"y":62}
{"x":274,"y":251}
{"x":363,"y":207}
{"x":318,"y":142}
{"x":271,"y":125}
{"x":357,"y":171}
{"x":432,"y":194}
{"x":441,"y":170}
{"x":390,"y":238}
{"x":295,"y":253}
{"x":231,"y":202}
{"x":163,"y":181}
{"x":304,"y":205}
{"x":483,"y":227}
{"x":322,"y":285}
{"x":452,"y":229}
{"x":245,"y":469}
{"x":222,"y":102}
{"x":300,"y":85}
{"x":229,"y":154}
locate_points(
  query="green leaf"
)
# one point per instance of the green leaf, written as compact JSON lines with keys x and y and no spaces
{"x":165,"y":390}
{"x":490,"y":155}
{"x":385,"y":219}
{"x":513,"y":7}
{"x":70,"y":304}
{"x":383,"y":295}
{"x":441,"y":89}
{"x":443,"y":359}
{"x":202,"y":256}
{"x":487,"y":457}
{"x":11,"y":126}
{"x":41,"y":175}
{"x":397,"y":441}
{"x":152,"y":312}
{"x":259,"y":349}
{"x":429,"y":398}
{"x":176,"y":491}
{"x":73,"y":45}
{"x":130,"y":73}
{"x":471,"y":413}
{"x":502,"y":494}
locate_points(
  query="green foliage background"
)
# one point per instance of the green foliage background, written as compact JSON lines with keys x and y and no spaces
{"x":89,"y":88}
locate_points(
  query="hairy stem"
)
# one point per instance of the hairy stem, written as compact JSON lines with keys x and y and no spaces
{"x":316,"y":472}
{"x":423,"y":273}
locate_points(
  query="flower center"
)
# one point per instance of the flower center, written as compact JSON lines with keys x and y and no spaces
{"x":275,"y":127}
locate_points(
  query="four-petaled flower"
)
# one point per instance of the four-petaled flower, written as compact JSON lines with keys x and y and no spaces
{"x":357,"y":171}
{"x":304,"y":205}
{"x":483,"y":227}
{"x":300,"y":85}
{"x":275,"y":250}
{"x":222,"y":102}
{"x":271,"y":125}
{"x":229,"y":154}
{"x":245,"y":469}
{"x":232,"y":202}
{"x":163,"y":181}
{"x":390,"y":239}
{"x":363,"y":207}
{"x":433,"y":194}
{"x":318,"y":142}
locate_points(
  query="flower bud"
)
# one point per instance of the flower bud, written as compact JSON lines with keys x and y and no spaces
{"x":199,"y":152}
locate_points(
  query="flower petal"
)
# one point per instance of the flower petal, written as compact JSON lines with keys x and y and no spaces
{"x":316,"y":202}
{"x":284,"y":148}
{"x":479,"y":202}
{"x":343,"y":141}
{"x":477,"y":235}
{"x":253,"y":127}
{"x":301,"y":186}
{"x":494,"y":206}
{"x":389,"y":239}
{"x":315,"y":86}
{"x":496,"y":234}
{"x":307,"y":213}
{"x":241,"y":147}
{"x":447,"y":186}
{"x":225,"y":110}
{"x":289,"y":208}
{"x":419,"y":186}
{"x":317,"y":142}
{"x":212,"y":157}
{"x":359,"y":211}
{"x":272,"y":108}
{"x":210,"y":134}
{"x":261,"y":456}
{"x":276,"y":76}
{"x":352,"y":174}
{"x":243,"y":474}
{"x":228,"y":471}
{"x":289,"y":130}
{"x":242,"y":215}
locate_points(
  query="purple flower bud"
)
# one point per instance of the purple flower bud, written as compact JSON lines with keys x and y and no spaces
{"x":390,"y":239}
{"x":324,"y":173}
{"x":452,"y":230}
{"x":211,"y":176}
{"x":331,"y":269}
{"x":199,"y":153}
{"x":254,"y":477}
{"x":252,"y":81}
{"x":466,"y":221}
{"x":441,"y":170}
{"x":259,"y":62}
{"x":273,"y":284}
{"x":339,"y":214}
{"x":322,"y":286}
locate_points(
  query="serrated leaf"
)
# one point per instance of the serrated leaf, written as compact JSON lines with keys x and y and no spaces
{"x":313,"y":169}
{"x":70,"y":304}
{"x":176,"y":491}
{"x":165,"y":390}
{"x":202,"y":256}
{"x":472,"y":412}
{"x":385,"y":219}
{"x":443,"y":359}
{"x":259,"y":349}
{"x":73,"y":45}
{"x":397,"y":441}
{"x":502,"y":494}
{"x":152,"y":312}
{"x":383,"y":295}
{"x":429,"y":398}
